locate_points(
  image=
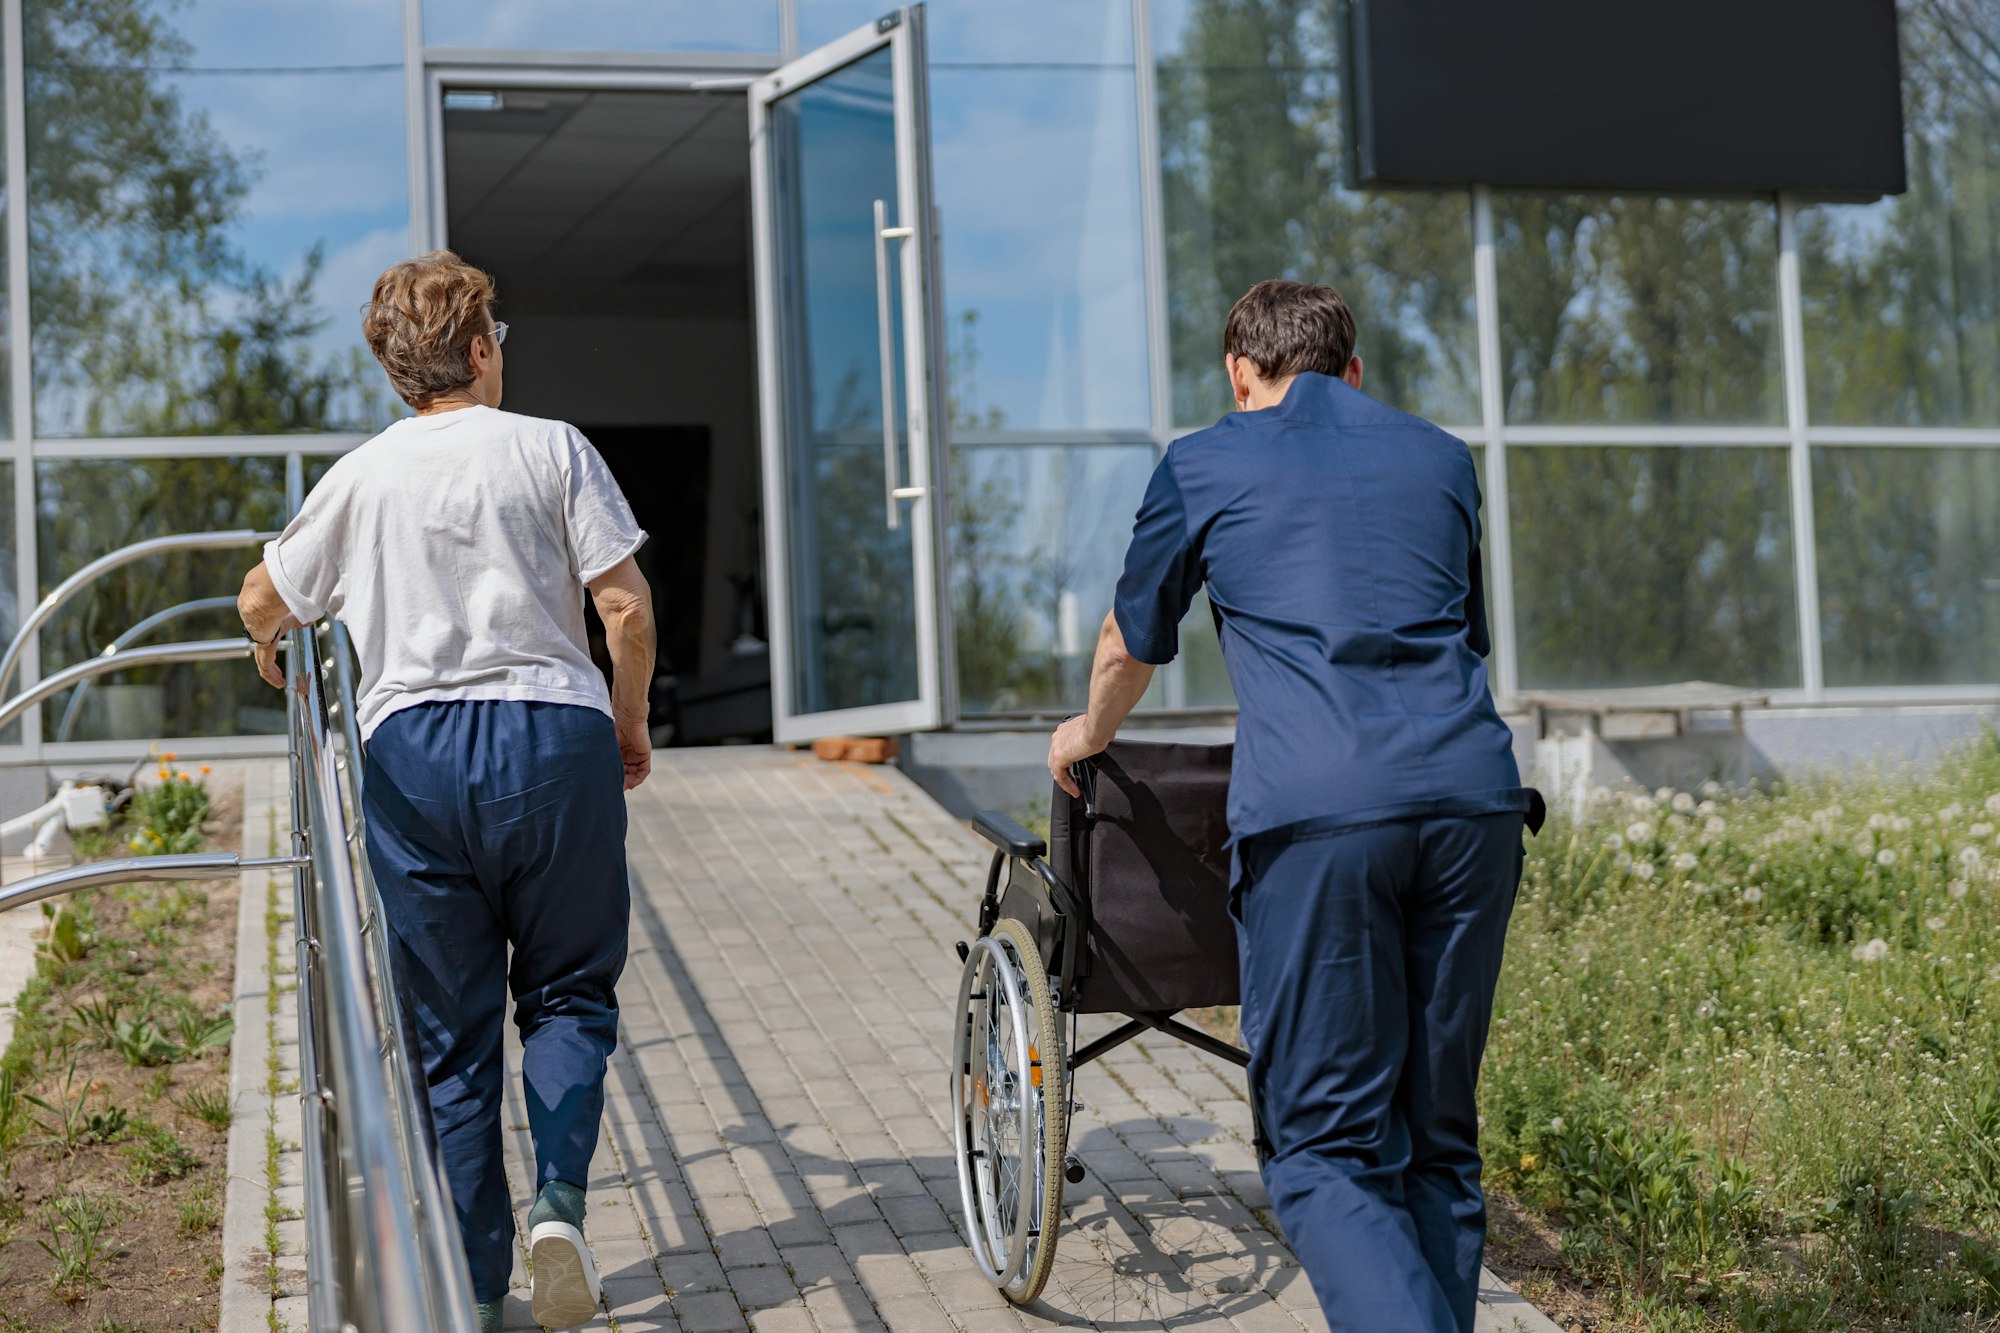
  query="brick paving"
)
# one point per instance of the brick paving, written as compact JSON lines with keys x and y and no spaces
{"x":776,"y":1153}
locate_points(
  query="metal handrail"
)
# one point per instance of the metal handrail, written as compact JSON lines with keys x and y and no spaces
{"x":132,"y":636}
{"x":158,"y":654}
{"x":374,"y":1188}
{"x":104,"y":564}
{"x":383,"y":1252}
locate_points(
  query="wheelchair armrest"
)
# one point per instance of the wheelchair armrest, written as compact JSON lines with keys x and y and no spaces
{"x":1008,"y":835}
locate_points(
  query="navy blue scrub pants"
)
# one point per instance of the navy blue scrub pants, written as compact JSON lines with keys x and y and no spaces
{"x":1370,"y":956}
{"x":490,"y":824}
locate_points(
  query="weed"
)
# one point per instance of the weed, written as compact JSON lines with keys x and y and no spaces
{"x":142,"y":1043}
{"x":76,"y":1229}
{"x":210,"y":1106}
{"x":13,"y":1113}
{"x":159,"y":1083}
{"x":72,"y":934}
{"x":68,"y":1122}
{"x":157,"y":1155}
{"x":99,"y":1019}
{"x":200,"y":1034}
{"x":201,"y":1211}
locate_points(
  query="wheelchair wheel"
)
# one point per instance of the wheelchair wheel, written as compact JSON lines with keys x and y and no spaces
{"x":1011,"y":1106}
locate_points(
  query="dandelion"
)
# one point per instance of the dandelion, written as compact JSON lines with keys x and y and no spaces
{"x":1872,"y":952}
{"x":1663,"y":795}
{"x":1639,"y":832}
{"x":1706,"y":1009}
{"x":1753,"y":895}
{"x":1934,"y":923}
{"x":1878,"y":822}
{"x":1958,"y":889}
{"x":1716,"y":826}
{"x":1683,"y":803}
{"x":1644,"y":870}
{"x":1950,"y":812}
{"x":1700,"y":889}
{"x":1623,"y":861}
{"x":1615,"y":842}
{"x":1642,"y":803}
{"x":1980,"y":830}
{"x":1900,"y":824}
{"x":1971,"y":858}
{"x":1711,"y":789}
{"x":1685,"y":861}
{"x":1886,"y":857}
{"x":1556,"y":1125}
{"x":1993,"y":804}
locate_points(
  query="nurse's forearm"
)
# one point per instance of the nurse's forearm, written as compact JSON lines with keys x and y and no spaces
{"x":1117,"y":682}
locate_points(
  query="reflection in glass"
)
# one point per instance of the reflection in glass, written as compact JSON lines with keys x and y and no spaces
{"x":1251,"y":141}
{"x":1035,"y":150}
{"x":201,"y":238}
{"x":1642,"y":566}
{"x":605,"y":25}
{"x":1044,"y":275}
{"x":1902,"y":297}
{"x":854,"y":619}
{"x":1038,"y":540}
{"x":1022,"y":32}
{"x":1909,"y":565}
{"x":86,"y":508}
{"x":1638,"y":310}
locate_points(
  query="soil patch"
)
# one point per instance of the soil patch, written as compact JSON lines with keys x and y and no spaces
{"x":114,"y":1141}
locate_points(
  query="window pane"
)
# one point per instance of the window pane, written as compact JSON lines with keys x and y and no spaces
{"x":1037,"y":543}
{"x":1644,"y":566}
{"x":89,"y":508}
{"x":202,"y":237}
{"x":1902,"y":297}
{"x":1909,"y":565}
{"x":1638,"y":310}
{"x":1251,"y":141}
{"x":1035,"y":150}
{"x":605,"y":25}
{"x":958,"y":32}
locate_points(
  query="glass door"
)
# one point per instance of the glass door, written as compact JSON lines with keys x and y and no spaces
{"x":843,"y":249}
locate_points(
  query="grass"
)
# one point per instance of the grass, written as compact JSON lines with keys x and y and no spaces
{"x":1746,"y":1053}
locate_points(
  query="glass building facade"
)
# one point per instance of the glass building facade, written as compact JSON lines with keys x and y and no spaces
{"x":1752,"y":440}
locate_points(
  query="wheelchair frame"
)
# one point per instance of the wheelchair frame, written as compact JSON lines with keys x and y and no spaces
{"x":1029,"y":928}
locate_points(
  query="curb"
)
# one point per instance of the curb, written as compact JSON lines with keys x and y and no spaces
{"x":246,"y":1294}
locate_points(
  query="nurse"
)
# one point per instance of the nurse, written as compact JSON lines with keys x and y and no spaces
{"x":1375,"y":806}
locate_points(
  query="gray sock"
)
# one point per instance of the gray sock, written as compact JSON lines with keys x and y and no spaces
{"x":559,"y":1201}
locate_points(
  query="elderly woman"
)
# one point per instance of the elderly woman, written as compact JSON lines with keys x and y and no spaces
{"x":457,"y":546}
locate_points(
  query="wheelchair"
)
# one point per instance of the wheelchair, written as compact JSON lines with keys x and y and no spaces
{"x":1123,"y":910}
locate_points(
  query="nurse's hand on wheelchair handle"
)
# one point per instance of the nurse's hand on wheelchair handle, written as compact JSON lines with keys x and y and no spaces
{"x":1072,"y":744}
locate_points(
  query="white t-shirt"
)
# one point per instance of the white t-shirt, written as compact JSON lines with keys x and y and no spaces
{"x":456,"y":548}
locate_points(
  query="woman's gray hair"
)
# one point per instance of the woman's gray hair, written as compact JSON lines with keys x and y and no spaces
{"x":421,"y":321}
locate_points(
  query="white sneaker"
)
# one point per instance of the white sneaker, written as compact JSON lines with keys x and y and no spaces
{"x":566,"y":1290}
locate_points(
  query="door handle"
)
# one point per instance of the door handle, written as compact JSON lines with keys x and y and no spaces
{"x":892,"y":490}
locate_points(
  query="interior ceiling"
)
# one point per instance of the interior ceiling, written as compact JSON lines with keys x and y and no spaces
{"x":603,"y":202}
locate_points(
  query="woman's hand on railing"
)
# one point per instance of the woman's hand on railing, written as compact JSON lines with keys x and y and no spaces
{"x":266,"y":619}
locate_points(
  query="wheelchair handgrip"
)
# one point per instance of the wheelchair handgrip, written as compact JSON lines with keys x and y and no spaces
{"x":1008,"y":835}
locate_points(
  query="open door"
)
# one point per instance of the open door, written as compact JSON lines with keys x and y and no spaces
{"x":846,"y":331}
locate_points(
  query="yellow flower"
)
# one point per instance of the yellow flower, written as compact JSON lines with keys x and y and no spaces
{"x":206,"y":770}
{"x":164,"y":775}
{"x":1529,"y":1161}
{"x":168,"y":757}
{"x":185,"y":778}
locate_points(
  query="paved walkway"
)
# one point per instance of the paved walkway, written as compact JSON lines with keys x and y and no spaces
{"x":776,"y":1153}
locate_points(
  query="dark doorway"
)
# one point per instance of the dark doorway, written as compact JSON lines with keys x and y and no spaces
{"x":616,"y":225}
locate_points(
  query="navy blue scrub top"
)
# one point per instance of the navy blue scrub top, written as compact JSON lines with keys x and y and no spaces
{"x":1339,"y":541}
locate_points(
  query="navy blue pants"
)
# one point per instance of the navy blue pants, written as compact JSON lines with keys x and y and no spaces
{"x":1370,"y":957}
{"x":489,"y":825}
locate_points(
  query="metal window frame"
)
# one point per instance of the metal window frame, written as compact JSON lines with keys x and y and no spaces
{"x":430,"y":68}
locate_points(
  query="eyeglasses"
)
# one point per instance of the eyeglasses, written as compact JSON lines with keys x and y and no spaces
{"x":498,"y":333}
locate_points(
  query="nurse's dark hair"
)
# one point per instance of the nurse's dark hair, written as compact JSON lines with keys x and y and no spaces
{"x":1283,"y":328}
{"x":421,"y":321}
